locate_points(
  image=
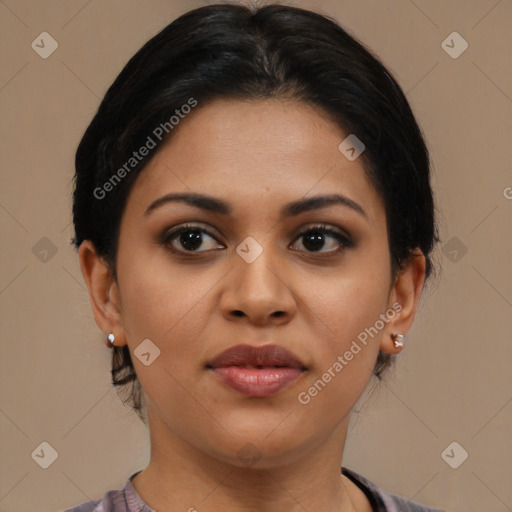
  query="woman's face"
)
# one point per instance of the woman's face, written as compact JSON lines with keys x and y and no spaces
{"x":250,"y":276}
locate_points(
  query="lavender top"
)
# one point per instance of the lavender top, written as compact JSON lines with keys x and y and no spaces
{"x":127,"y":499}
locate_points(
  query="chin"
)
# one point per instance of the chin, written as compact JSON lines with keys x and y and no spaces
{"x":258,"y":445}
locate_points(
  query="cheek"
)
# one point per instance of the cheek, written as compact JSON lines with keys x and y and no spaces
{"x":347,"y":311}
{"x":348,"y":314}
{"x":350,"y":301}
{"x":168,"y":308}
{"x":345,"y":355}
{"x":160,"y":305}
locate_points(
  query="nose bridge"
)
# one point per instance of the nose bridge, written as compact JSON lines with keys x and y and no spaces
{"x":256,"y":286}
{"x":259,"y":275}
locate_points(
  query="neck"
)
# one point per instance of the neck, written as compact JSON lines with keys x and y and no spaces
{"x":181,"y":477}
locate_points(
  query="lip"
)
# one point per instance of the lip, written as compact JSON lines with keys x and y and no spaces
{"x":257,"y":371}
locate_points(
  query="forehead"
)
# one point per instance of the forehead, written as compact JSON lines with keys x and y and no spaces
{"x":272,"y":148}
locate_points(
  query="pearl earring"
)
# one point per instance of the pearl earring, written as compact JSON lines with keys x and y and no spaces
{"x":111,"y":338}
{"x":398,"y":340}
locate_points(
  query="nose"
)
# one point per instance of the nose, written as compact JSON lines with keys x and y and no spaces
{"x":258,"y":292}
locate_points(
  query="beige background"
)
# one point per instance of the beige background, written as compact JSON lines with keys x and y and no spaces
{"x":453,"y":381}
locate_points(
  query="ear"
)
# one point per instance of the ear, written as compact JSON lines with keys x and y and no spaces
{"x":404,"y":297}
{"x":103,"y":292}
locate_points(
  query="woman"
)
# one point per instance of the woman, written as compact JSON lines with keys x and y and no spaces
{"x":254,"y":219}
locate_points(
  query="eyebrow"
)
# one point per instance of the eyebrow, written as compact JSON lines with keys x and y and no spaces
{"x":214,"y":205}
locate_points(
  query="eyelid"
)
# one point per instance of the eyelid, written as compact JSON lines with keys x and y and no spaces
{"x":172,"y":232}
{"x":192,"y":225}
{"x":344,"y":240}
{"x":321,"y":226}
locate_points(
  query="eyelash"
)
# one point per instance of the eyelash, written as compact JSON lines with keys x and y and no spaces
{"x":344,"y":241}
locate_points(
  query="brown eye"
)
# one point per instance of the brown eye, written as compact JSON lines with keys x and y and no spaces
{"x":317,"y":238}
{"x":190,"y":239}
